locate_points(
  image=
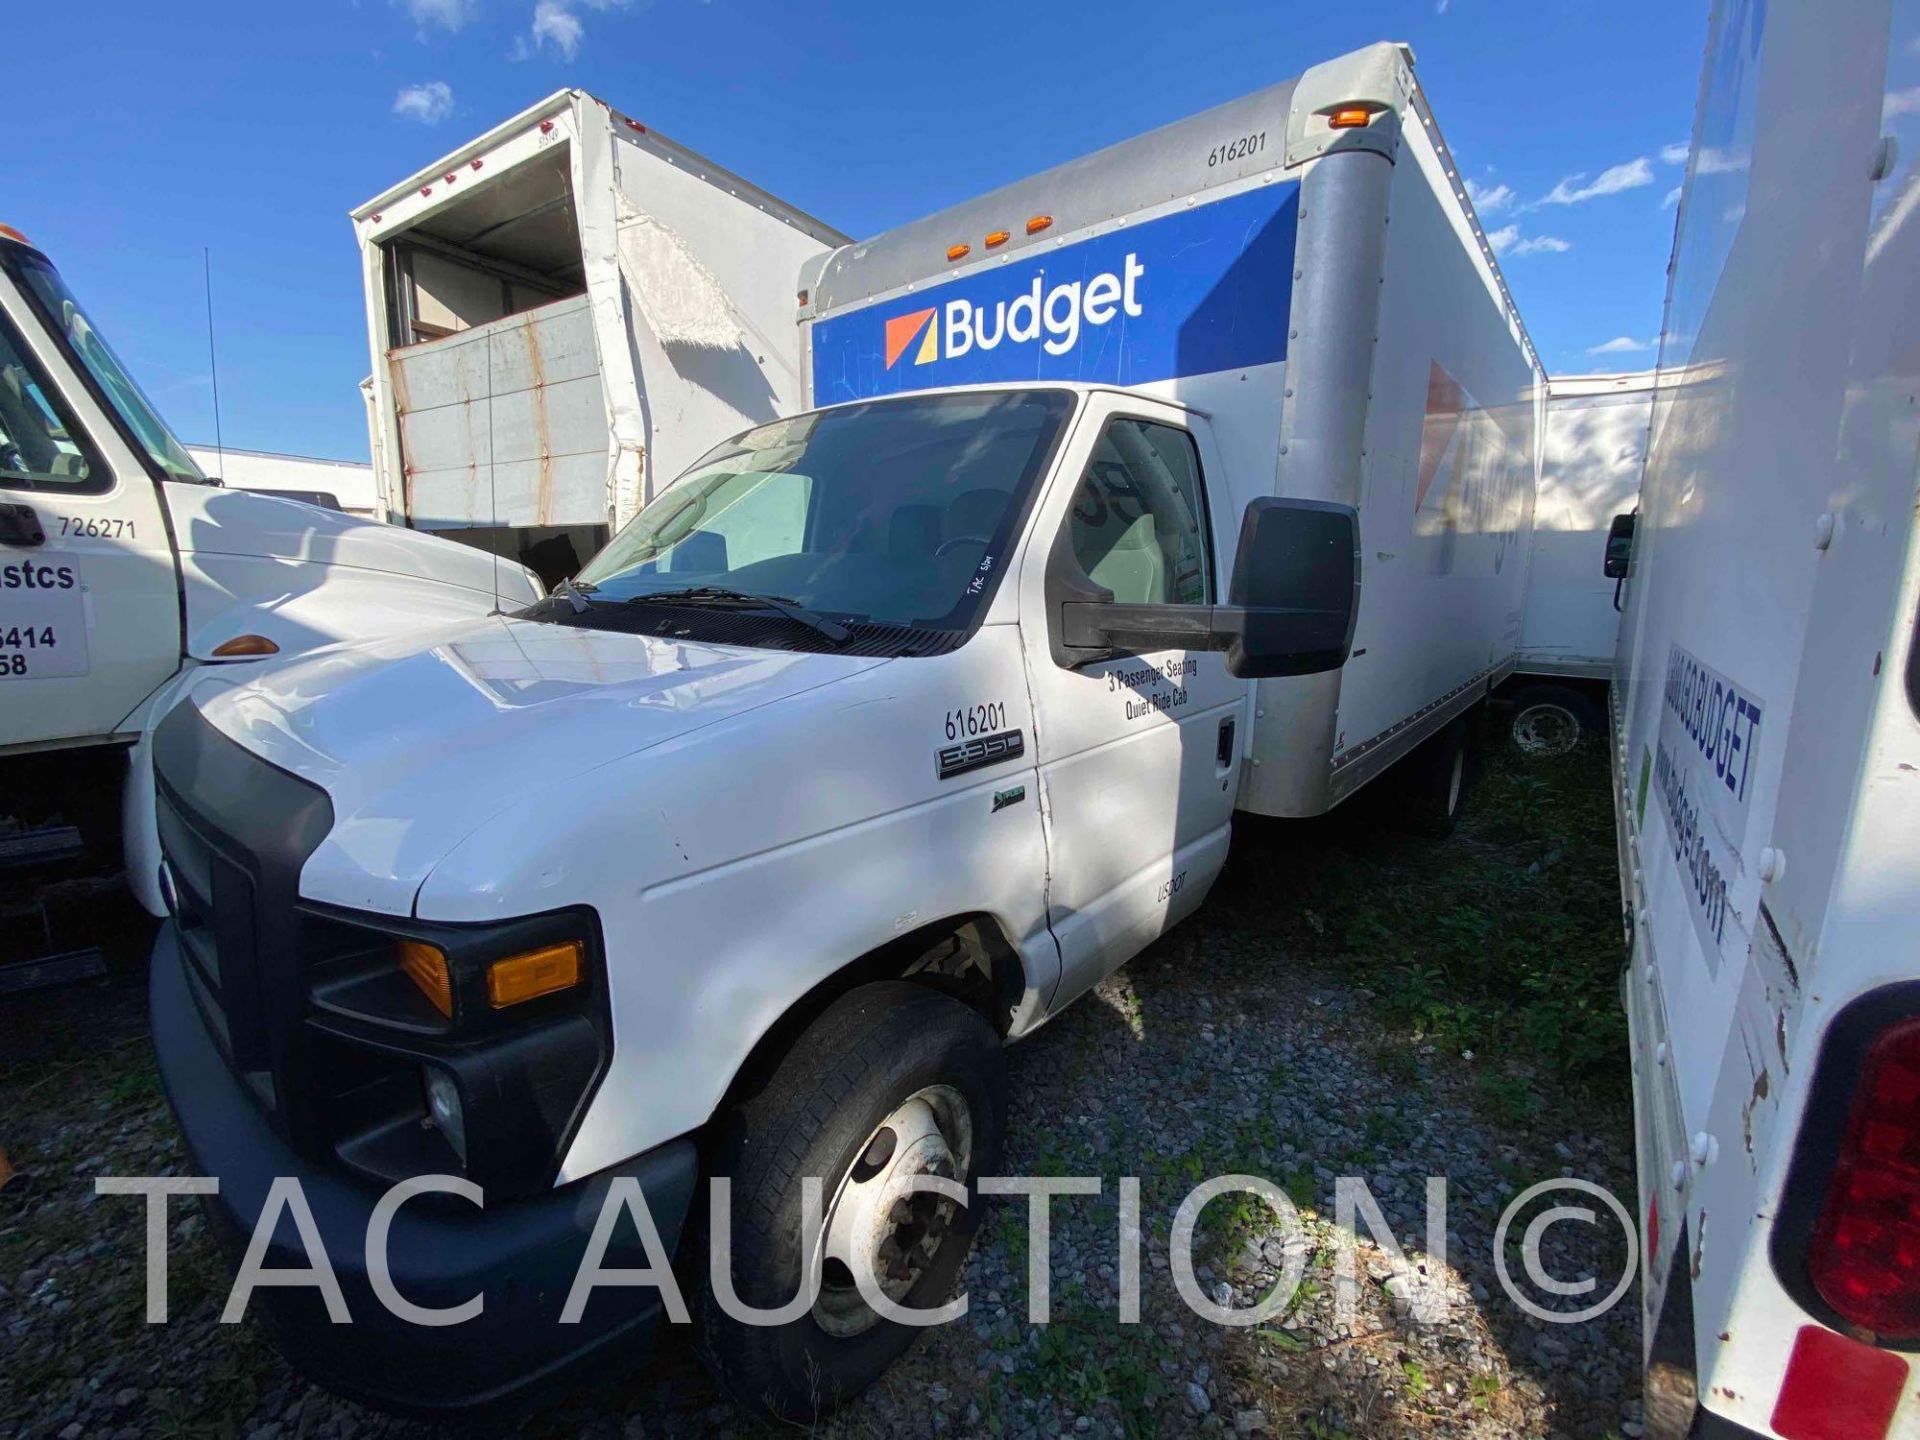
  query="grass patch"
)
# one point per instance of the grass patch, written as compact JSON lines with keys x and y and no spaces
{"x":1503,"y":939}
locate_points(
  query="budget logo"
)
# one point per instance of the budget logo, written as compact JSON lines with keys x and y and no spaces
{"x":903,"y":330}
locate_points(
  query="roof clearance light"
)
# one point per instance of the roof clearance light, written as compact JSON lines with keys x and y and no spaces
{"x":1037,"y":223}
{"x":1350,"y":117}
{"x":959,"y":252}
{"x":426,"y":966}
{"x":519,"y":978}
{"x":546,"y":127}
{"x":13,"y":234}
{"x":474,"y":164}
{"x":998,"y":237}
{"x":637,"y":127}
{"x":244,"y":647}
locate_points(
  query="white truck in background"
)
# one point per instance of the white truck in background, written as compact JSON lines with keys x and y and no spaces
{"x":1189,"y":477}
{"x":335,"y":484}
{"x":1591,"y":454}
{"x":564,"y":313}
{"x":1767,"y":772}
{"x":125,"y":576}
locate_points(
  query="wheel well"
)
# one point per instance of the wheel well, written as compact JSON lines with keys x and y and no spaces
{"x":966,"y":956}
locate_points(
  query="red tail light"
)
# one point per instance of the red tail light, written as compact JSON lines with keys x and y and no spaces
{"x":1865,"y":1257}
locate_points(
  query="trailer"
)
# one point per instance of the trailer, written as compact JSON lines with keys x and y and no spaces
{"x":1591,"y":455}
{"x":563,"y":314}
{"x":1767,"y":771}
{"x":1192,"y":476}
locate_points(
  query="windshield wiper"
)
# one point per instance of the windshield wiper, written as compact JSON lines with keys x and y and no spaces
{"x":832,"y":630}
{"x":576,"y":594}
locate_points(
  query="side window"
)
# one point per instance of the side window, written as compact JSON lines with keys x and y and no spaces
{"x":1139,"y":520}
{"x":40,"y":448}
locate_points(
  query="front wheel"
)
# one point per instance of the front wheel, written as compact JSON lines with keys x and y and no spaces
{"x":894,"y":1081}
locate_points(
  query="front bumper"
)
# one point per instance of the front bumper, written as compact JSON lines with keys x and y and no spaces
{"x":520,"y":1256}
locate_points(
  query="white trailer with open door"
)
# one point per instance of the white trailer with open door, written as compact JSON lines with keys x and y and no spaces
{"x":564,"y":313}
{"x":1768,"y":760}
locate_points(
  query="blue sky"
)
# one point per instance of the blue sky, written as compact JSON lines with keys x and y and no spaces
{"x":252,"y":130}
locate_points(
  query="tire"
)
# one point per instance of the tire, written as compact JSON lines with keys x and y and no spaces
{"x":879,"y":1053}
{"x":1550,"y":720}
{"x":1437,"y":778}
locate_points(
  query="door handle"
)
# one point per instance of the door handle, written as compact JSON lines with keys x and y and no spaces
{"x":1224,"y":755}
{"x":20,"y":526}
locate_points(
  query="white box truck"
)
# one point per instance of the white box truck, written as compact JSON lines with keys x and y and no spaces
{"x":1192,"y":475}
{"x":1768,"y":765}
{"x":1591,"y":454}
{"x":126,"y":577}
{"x":564,"y":313}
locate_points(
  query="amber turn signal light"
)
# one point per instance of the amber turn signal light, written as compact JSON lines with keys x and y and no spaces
{"x":539,"y":972}
{"x":1349,"y":117}
{"x":426,"y":966}
{"x":244,"y":647}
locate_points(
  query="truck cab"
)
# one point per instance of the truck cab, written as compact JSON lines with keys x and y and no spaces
{"x":125,"y":571}
{"x":950,"y":686}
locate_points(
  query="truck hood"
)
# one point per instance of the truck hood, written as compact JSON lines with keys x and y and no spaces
{"x":420,"y":740}
{"x":212,"y":521}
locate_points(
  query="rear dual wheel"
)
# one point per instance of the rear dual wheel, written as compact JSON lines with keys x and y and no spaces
{"x":894,"y":1082}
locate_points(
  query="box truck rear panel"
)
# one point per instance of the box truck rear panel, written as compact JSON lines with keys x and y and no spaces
{"x":1769,"y":752}
{"x":566,"y":313}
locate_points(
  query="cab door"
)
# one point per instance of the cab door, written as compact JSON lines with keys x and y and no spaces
{"x":1139,"y":757}
{"x":89,"y":596}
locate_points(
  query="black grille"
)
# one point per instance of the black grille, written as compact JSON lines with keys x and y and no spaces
{"x":234,"y":832}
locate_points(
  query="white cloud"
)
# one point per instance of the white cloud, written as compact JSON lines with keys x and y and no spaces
{"x":1673,"y":154}
{"x":1900,"y":102}
{"x":1440,"y":6}
{"x":1670,"y":199}
{"x":1620,"y":345}
{"x":1489,"y":199}
{"x":1508,"y":240}
{"x":429,"y":103}
{"x":1611,"y":181}
{"x":447,"y":14}
{"x":557,"y":23}
{"x":1720,"y":162}
{"x":1541,"y":245}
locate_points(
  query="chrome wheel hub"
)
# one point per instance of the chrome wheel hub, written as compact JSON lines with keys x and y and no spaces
{"x":1545,"y":730}
{"x":875,"y":1219}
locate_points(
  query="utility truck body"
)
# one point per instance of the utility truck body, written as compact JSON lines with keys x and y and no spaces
{"x":564,"y":314}
{"x":1590,"y":461}
{"x":125,"y":575}
{"x":874,"y":740}
{"x":1767,"y":712}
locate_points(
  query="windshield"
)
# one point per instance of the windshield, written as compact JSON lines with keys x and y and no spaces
{"x":897,"y":512}
{"x":60,"y":310}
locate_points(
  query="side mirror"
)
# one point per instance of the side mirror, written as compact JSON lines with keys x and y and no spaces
{"x":1291,"y":606}
{"x":1619,"y":546}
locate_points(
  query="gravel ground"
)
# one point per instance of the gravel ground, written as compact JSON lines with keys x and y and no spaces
{"x":1251,"y":1040}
